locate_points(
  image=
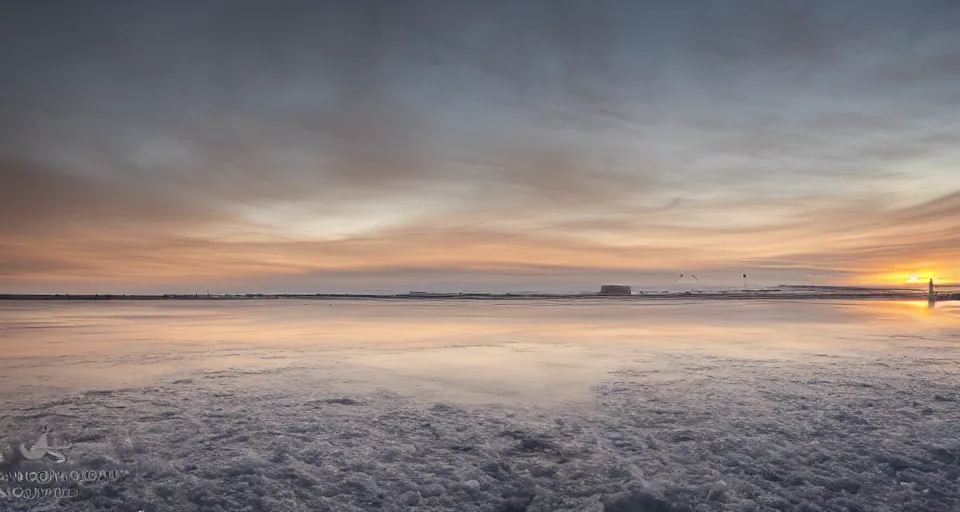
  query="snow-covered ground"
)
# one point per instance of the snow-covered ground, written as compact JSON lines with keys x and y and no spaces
{"x":818,"y":405}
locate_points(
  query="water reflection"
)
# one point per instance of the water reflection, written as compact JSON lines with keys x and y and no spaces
{"x":526,"y":349}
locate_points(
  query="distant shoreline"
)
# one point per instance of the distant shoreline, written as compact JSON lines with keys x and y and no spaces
{"x":757,"y":294}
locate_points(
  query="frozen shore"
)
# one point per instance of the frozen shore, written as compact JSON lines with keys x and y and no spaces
{"x":710,"y":434}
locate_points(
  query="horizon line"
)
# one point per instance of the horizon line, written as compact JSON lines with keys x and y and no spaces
{"x":793,"y":291}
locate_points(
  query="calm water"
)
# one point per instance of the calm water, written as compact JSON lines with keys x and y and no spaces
{"x":462,"y":350}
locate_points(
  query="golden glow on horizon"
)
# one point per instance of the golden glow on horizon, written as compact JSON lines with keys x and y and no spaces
{"x":100,"y":257}
{"x":920,"y":276}
{"x":184,"y":260}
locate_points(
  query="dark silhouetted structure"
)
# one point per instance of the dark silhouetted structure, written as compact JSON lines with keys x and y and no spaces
{"x":614,"y":289}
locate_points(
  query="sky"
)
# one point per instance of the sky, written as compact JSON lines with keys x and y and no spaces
{"x":495,"y":145}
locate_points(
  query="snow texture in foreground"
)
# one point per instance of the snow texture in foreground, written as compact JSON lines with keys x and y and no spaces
{"x":710,"y":434}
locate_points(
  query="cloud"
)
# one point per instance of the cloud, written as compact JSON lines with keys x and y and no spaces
{"x":37,"y":200}
{"x":228,"y":138}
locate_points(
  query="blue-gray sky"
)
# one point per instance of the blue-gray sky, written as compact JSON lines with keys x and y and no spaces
{"x":496,"y":145}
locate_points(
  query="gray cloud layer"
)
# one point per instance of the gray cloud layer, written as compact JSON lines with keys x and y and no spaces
{"x":685,"y":127}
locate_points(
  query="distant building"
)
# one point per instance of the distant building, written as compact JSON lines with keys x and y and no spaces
{"x":615,"y":289}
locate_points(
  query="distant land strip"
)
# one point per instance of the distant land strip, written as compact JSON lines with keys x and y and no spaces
{"x":751,"y":294}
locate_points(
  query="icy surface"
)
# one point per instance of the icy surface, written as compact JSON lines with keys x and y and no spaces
{"x":590,"y":407}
